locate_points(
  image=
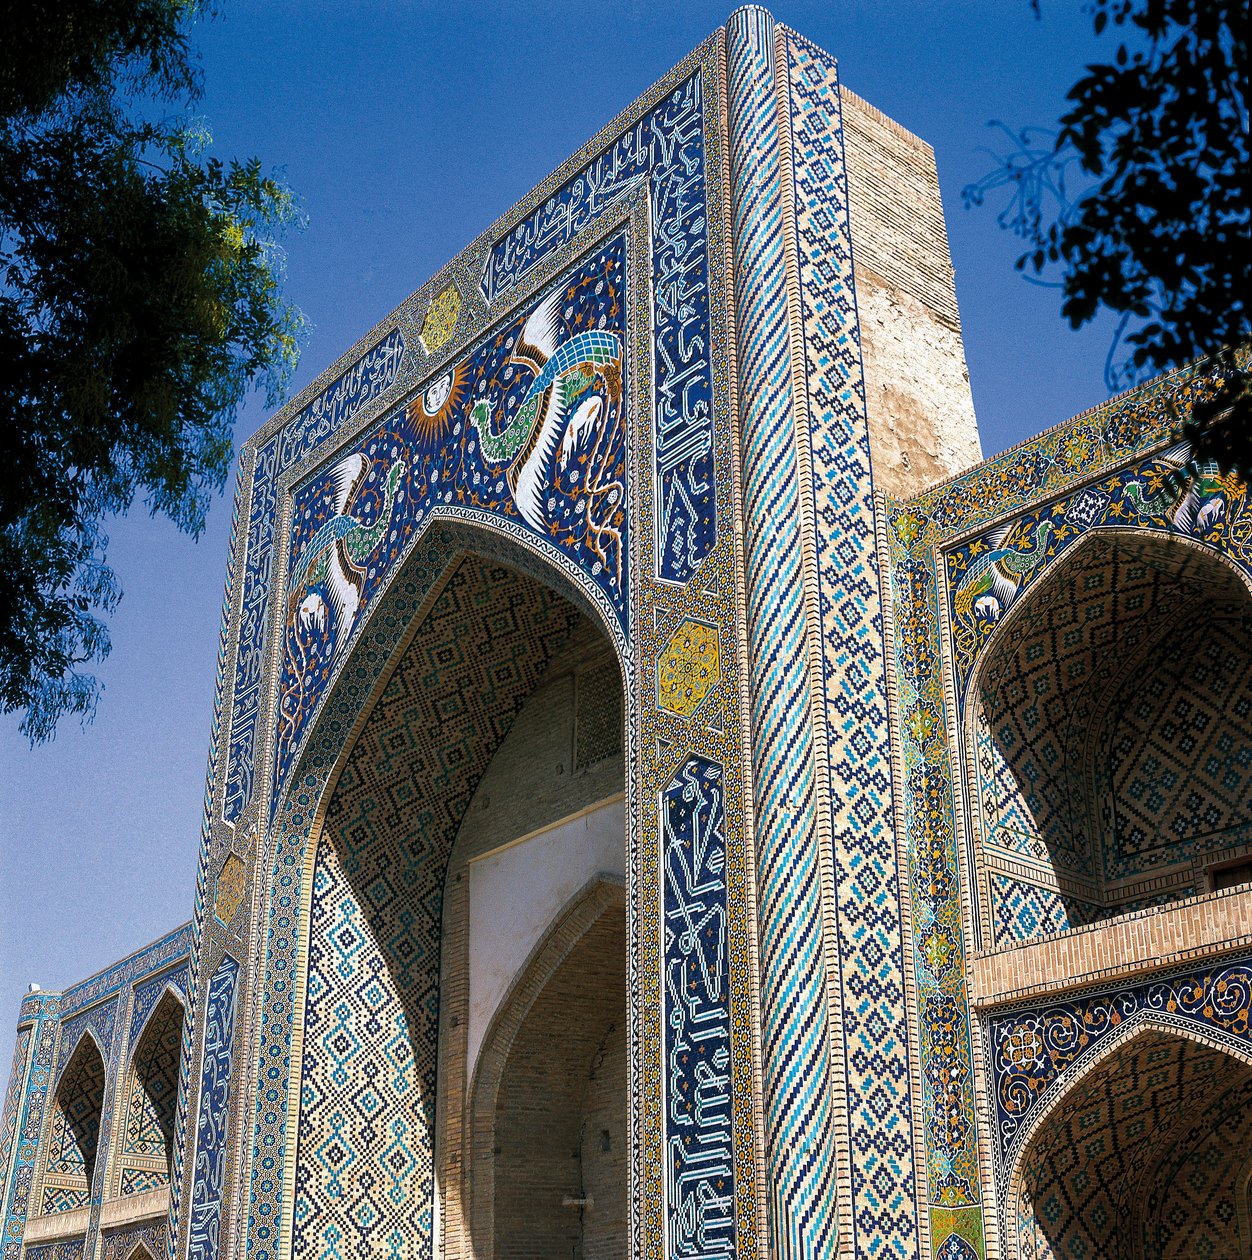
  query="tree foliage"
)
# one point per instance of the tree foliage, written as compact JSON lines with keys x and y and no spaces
{"x":139,"y":300}
{"x":1140,"y":201}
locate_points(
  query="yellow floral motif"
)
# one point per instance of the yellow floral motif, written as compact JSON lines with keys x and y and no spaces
{"x":441,"y":319}
{"x":232,"y":887}
{"x":689,"y":668}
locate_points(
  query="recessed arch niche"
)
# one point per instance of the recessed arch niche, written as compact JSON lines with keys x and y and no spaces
{"x":489,"y":645}
{"x":74,"y":1132}
{"x":1144,"y":1157}
{"x":147,"y":1140}
{"x":1110,"y":735}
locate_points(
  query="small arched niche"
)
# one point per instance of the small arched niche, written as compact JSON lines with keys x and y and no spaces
{"x":1111,"y":737}
{"x":550,"y":1159}
{"x":151,"y":1095}
{"x":74,"y":1132}
{"x":1144,"y":1158}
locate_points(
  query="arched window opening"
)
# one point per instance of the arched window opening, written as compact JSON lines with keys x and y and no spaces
{"x":74,"y":1134}
{"x":1144,"y":1157}
{"x":148,"y":1141}
{"x":1111,"y":738}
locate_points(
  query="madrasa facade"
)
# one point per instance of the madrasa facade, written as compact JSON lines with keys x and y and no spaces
{"x":670,"y":797}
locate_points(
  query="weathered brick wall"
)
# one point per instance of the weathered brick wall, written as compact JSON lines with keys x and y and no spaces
{"x":921,"y":414}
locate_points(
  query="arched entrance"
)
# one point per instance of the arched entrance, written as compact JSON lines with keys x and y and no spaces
{"x":550,"y":1172}
{"x":499,"y":731}
{"x":74,"y":1137}
{"x":1143,"y":1159}
{"x":1111,"y":737}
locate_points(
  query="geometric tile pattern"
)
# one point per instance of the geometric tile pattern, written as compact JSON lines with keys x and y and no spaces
{"x":689,"y":668}
{"x":66,"y":1249}
{"x":149,"y":1117}
{"x":205,"y":1212}
{"x":867,"y":888}
{"x":75,"y":1130}
{"x":146,"y":997}
{"x":1114,"y":722}
{"x":369,"y":377}
{"x":147,"y":1242}
{"x":700,"y":1189}
{"x":1100,"y":1177}
{"x":1077,"y":477}
{"x":9,"y":1113}
{"x":1020,"y":910}
{"x":799,"y":1120}
{"x":527,"y":427}
{"x":364,"y":1170}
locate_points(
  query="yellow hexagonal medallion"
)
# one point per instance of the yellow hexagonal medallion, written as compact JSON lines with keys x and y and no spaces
{"x":232,"y":887}
{"x":689,"y":668}
{"x":441,"y":319}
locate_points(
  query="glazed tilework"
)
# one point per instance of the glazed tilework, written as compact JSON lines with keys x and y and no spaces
{"x":665,"y":152}
{"x":149,"y":993}
{"x":1034,"y":1053}
{"x":675,"y":346}
{"x":1101,"y":1180}
{"x":74,"y":1131}
{"x":368,"y":378}
{"x":700,"y":1174}
{"x":365,"y":1140}
{"x":148,"y":1123}
{"x":148,"y":1242}
{"x":528,"y":426}
{"x":65,"y":1249}
{"x":875,"y":1068}
{"x":38,"y":1021}
{"x":11,"y":1110}
{"x":1075,"y":476}
{"x":205,"y":1207}
{"x":796,"y":1052}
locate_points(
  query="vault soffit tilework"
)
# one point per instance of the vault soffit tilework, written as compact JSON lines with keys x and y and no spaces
{"x":1096,"y":1158}
{"x":371,"y":1020}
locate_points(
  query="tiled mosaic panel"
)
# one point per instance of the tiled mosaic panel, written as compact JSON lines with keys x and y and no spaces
{"x":11,"y":1111}
{"x":1031,"y":1052}
{"x":796,"y":1052}
{"x":149,"y":1117}
{"x":149,"y":993}
{"x":204,"y":1226}
{"x":370,"y":377}
{"x":74,"y":1132}
{"x":66,"y":1249}
{"x":1190,"y":1203}
{"x":148,"y":1242}
{"x":1095,"y":1165}
{"x":41,"y":1012}
{"x":99,"y":1020}
{"x":1020,"y":910}
{"x":1074,"y":471}
{"x":700,"y":1186}
{"x":665,"y":148}
{"x":989,"y":573}
{"x":364,"y":1162}
{"x":1180,"y":757}
{"x":884,"y":1218}
{"x":528,"y":427}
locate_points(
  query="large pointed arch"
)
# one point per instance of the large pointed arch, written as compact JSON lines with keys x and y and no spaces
{"x":451,"y":573}
{"x":146,"y":1154}
{"x":1088,"y":794}
{"x":74,"y":1138}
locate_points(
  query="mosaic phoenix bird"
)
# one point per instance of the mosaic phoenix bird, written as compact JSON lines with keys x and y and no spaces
{"x":336,"y":555}
{"x":991,"y":583}
{"x":560,"y":409}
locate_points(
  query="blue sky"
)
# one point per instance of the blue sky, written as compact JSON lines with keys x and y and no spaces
{"x":405,"y":129}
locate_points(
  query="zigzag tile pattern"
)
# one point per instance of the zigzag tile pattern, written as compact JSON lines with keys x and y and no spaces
{"x":364,"y":1163}
{"x":799,"y":1119}
{"x":867,"y":885}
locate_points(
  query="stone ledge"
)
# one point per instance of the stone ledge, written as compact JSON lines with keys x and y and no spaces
{"x":134,"y":1207}
{"x":1121,"y":951}
{"x":58,"y":1225}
